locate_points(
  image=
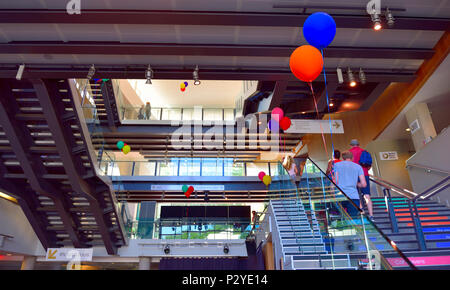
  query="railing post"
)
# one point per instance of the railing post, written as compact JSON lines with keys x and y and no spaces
{"x":391,"y":210}
{"x":417,"y":225}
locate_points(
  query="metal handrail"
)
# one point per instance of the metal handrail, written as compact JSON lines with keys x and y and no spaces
{"x":402,"y":191}
{"x":427,"y":168}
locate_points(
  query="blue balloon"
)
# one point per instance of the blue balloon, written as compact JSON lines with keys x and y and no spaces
{"x":274,"y":124}
{"x":319,"y":29}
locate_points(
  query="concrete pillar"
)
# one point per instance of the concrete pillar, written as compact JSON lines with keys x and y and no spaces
{"x":144,"y":263}
{"x":421,"y":125}
{"x":28,"y":263}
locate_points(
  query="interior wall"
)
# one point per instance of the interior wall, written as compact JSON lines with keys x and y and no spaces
{"x":393,"y":171}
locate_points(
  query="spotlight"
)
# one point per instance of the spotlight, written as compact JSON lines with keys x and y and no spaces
{"x":376,"y":21}
{"x":226,"y":249}
{"x":331,"y":104}
{"x":389,"y":18}
{"x":362,"y":76}
{"x":351,"y":78}
{"x":339,"y":74}
{"x":91,"y":72}
{"x":20,"y":72}
{"x":149,"y":75}
{"x":167,"y":250}
{"x":195,"y":76}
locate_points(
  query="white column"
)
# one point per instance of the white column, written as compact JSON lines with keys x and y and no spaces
{"x":144,"y":263}
{"x":28,"y":263}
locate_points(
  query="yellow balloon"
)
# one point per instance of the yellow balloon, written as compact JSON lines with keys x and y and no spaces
{"x":267,"y":180}
{"x":182,"y":86}
{"x":126,"y":149}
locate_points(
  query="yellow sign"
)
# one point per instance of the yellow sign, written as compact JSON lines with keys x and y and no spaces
{"x":52,"y":255}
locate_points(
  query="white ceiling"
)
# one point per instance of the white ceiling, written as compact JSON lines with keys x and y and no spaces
{"x":436,"y":93}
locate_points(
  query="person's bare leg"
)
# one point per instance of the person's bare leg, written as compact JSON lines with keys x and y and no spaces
{"x":369,"y":204}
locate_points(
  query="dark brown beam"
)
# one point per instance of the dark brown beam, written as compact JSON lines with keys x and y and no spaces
{"x":322,"y":99}
{"x":278,"y":92}
{"x":63,"y":136}
{"x":32,"y":166}
{"x":117,"y":48}
{"x":207,"y":18}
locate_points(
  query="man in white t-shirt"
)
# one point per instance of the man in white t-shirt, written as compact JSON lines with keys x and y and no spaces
{"x":347,"y":175}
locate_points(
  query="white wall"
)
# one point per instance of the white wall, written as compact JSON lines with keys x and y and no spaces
{"x":14,"y":223}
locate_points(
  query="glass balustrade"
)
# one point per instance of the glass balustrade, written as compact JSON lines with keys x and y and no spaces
{"x":337,"y":225}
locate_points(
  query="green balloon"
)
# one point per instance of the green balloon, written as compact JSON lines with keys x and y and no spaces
{"x":184,"y":188}
{"x":120,"y":145}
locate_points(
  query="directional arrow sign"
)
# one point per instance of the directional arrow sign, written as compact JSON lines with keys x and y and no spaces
{"x":68,"y":254}
{"x":316,"y":126}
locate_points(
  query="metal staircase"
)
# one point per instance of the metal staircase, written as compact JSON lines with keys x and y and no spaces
{"x":47,"y":162}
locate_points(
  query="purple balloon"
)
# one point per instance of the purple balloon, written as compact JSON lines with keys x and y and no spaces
{"x":186,"y":84}
{"x":274,"y":124}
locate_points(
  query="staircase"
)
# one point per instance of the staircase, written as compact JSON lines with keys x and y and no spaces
{"x":302,"y":244}
{"x":105,"y":102}
{"x":47,"y":162}
{"x":435,"y":222}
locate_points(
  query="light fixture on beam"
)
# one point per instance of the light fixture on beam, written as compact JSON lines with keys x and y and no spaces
{"x":351,"y":78}
{"x":389,"y":18}
{"x":149,"y":75}
{"x":91,"y":72}
{"x":362,"y":76}
{"x":195,"y":76}
{"x":20,"y":72}
{"x":376,"y":21}
{"x":339,"y":75}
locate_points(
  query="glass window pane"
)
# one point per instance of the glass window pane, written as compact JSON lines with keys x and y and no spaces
{"x":253,"y":169}
{"x":190,"y":167}
{"x":144,"y":168}
{"x":167,"y":168}
{"x":229,"y":114}
{"x":234,"y":168}
{"x":212,"y":167}
{"x":212,"y":114}
{"x":171,"y":114}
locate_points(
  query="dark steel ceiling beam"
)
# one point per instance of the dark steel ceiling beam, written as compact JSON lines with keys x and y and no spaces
{"x":278,"y":92}
{"x":117,"y":48}
{"x":373,"y":95}
{"x":208,"y":18}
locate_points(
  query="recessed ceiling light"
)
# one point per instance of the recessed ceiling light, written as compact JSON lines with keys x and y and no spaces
{"x":408,"y":129}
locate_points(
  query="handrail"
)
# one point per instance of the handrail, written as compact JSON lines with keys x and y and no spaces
{"x":427,"y":168}
{"x":402,"y":191}
{"x":435,"y":189}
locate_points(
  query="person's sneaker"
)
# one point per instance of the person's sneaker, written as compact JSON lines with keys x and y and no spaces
{"x":372,"y":219}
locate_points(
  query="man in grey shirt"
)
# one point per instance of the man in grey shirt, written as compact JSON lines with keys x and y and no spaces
{"x":347,"y":175}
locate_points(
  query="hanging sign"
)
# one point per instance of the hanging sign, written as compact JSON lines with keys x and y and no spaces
{"x":68,"y":254}
{"x":316,"y":126}
{"x":389,"y":155}
{"x":414,"y":126}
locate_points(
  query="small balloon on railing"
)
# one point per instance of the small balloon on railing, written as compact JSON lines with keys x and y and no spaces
{"x":267,"y":180}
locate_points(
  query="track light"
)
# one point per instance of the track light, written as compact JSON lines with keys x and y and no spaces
{"x":167,"y":250}
{"x":195,"y":76}
{"x":339,"y":75}
{"x":20,"y":72}
{"x":362,"y":76}
{"x":351,"y":78}
{"x":376,"y":21}
{"x":91,"y":72}
{"x":149,"y":75}
{"x":389,"y":18}
{"x":226,"y":249}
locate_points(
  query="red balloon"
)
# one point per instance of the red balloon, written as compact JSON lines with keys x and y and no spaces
{"x":306,"y":63}
{"x":261,"y":175}
{"x":182,"y":89}
{"x":285,"y":123}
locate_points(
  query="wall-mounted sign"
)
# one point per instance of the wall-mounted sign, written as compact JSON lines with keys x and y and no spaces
{"x":198,"y":187}
{"x":389,"y":155}
{"x":68,"y":254}
{"x":316,"y":126}
{"x":414,"y":126}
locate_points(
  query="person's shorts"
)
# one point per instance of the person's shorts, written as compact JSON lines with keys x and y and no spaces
{"x":366,"y":190}
{"x":350,"y":208}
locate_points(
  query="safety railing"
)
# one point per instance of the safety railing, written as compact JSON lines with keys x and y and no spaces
{"x":337,"y":220}
{"x":412,"y":198}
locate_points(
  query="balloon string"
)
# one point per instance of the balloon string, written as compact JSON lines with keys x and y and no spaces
{"x":329,"y":117}
{"x":318,"y":117}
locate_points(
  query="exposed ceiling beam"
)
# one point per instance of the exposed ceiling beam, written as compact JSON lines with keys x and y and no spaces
{"x":278,"y":92}
{"x":117,"y":48}
{"x":208,"y":17}
{"x":322,"y":99}
{"x":128,"y":72}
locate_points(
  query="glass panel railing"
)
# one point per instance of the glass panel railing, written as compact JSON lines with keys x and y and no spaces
{"x":337,"y":227}
{"x":177,"y":229}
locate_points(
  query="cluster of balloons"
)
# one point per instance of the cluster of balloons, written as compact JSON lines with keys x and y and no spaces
{"x":183,"y":86}
{"x":279,"y":120}
{"x":306,"y":61}
{"x":187,"y":190}
{"x":124,"y":147}
{"x":266,"y":179}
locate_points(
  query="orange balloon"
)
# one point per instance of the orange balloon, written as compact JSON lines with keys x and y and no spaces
{"x":306,"y":63}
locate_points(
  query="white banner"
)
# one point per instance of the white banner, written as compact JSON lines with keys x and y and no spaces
{"x":198,"y":187}
{"x":316,"y":126}
{"x":68,"y":254}
{"x":389,"y":155}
